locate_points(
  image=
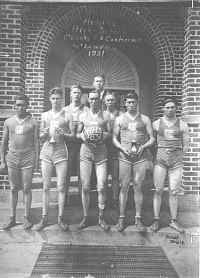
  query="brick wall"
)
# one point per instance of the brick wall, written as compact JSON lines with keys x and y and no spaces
{"x":28,"y":31}
{"x":191,"y":97}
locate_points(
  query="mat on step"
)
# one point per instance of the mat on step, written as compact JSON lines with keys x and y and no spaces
{"x":85,"y":261}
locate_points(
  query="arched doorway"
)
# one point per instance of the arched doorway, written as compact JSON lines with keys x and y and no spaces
{"x":120,"y":72}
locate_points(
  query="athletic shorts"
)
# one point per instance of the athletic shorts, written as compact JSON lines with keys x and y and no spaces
{"x":135,"y":160}
{"x":96,"y":154}
{"x":54,"y":153}
{"x":169,"y":158}
{"x":21,"y":159}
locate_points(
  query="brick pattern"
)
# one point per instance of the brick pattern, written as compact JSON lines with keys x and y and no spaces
{"x":28,"y":30}
{"x":191,"y":97}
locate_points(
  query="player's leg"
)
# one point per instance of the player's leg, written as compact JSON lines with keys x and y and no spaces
{"x":61,"y":173}
{"x":47,"y":169}
{"x":159,"y":176}
{"x":175,"y":176}
{"x":115,"y":180}
{"x":101,"y":173}
{"x":139,"y":172}
{"x":14,"y":177}
{"x":27,"y":174}
{"x":125,"y":171}
{"x":85,"y":176}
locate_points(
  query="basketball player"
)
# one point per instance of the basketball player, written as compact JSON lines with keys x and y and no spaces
{"x":72,"y":113}
{"x":133,"y":135}
{"x":94,"y":130}
{"x":54,"y":129}
{"x":172,"y":143}
{"x":20,"y":138}
{"x":110,"y":114}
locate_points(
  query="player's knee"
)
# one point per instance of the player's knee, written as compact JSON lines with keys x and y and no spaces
{"x":173,"y":192}
{"x":124,"y":188}
{"x":158,"y":191}
{"x":61,"y":188}
{"x":45,"y":189}
{"x":137,"y":186}
{"x":14,"y":189}
{"x":27,"y":189}
{"x":85,"y":190}
{"x":101,"y":188}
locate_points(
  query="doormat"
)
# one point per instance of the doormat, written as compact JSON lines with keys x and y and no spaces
{"x":83,"y":261}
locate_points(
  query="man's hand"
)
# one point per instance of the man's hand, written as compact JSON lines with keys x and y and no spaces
{"x":3,"y":165}
{"x":140,"y":150}
{"x":126,"y":151}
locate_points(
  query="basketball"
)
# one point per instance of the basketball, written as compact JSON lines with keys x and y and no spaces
{"x":93,"y":134}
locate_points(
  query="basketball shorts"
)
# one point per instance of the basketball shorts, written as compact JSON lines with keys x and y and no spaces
{"x":97,"y":154}
{"x":169,"y":158}
{"x":54,"y":153}
{"x":21,"y":159}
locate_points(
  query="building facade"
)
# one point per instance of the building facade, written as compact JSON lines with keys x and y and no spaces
{"x":38,"y":53}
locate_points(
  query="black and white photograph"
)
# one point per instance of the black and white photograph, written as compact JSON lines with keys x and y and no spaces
{"x":99,"y":139}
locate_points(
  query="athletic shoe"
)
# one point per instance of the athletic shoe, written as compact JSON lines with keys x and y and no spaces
{"x":10,"y":224}
{"x":174,"y":225}
{"x":63,"y":226}
{"x":84,"y":223}
{"x":42,"y":224}
{"x":103,"y":224}
{"x":27,"y":224}
{"x":155,"y":225}
{"x":121,"y":224}
{"x":138,"y":225}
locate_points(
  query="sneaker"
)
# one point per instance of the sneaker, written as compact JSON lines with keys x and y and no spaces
{"x":174,"y":225}
{"x":155,"y":226}
{"x":139,"y":226}
{"x":103,"y":224}
{"x":63,"y":226}
{"x":42,"y":224}
{"x":84,"y":223}
{"x":121,"y":224}
{"x":10,"y":224}
{"x":27,"y":224}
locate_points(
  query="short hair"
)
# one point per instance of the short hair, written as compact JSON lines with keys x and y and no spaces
{"x":169,"y":99}
{"x":132,"y":95}
{"x":110,"y":93}
{"x":56,"y":91}
{"x":92,"y":92}
{"x":22,"y":97}
{"x":76,"y":86}
{"x":100,"y":75}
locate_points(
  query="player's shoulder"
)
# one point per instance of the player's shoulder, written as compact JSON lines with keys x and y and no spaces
{"x":145,"y":118}
{"x":183,"y":124}
{"x":10,"y":120}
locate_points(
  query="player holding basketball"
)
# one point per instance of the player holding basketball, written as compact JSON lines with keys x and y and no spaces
{"x":94,"y":130}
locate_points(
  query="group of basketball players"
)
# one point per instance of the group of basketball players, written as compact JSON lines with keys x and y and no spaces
{"x":98,"y":135}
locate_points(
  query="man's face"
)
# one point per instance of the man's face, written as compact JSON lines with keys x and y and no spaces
{"x":169,"y":109}
{"x":20,"y":107}
{"x":94,"y":100}
{"x":98,"y":83}
{"x":110,"y":101}
{"x":56,"y":100}
{"x":131,"y":104}
{"x":75,"y":95}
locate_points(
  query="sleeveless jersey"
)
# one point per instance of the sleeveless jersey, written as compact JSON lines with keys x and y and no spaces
{"x":52,"y":121}
{"x":21,"y":132}
{"x":169,"y":136}
{"x":132,"y":130}
{"x":93,"y":121}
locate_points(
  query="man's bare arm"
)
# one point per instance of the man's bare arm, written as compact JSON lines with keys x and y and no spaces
{"x":37,"y":145}
{"x":116,"y":133}
{"x":185,"y":138}
{"x":4,"y":145}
